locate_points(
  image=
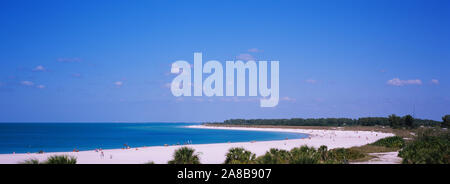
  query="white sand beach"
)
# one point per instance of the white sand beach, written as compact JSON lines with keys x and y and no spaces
{"x":212,"y":153}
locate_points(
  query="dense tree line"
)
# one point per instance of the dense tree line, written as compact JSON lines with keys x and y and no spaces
{"x":446,"y":121}
{"x":393,"y":121}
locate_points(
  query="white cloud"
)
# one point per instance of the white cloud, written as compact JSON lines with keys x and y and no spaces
{"x":118,"y":83}
{"x":254,"y":50}
{"x":434,"y":81}
{"x":39,"y":68}
{"x":245,"y":57}
{"x":398,"y":82}
{"x":27,"y":83}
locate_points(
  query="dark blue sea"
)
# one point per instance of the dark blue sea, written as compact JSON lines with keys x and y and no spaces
{"x":59,"y":137}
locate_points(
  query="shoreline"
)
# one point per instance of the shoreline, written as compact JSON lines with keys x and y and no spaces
{"x":213,"y":153}
{"x":184,"y":126}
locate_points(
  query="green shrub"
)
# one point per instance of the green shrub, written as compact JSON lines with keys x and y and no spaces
{"x":323,"y":152}
{"x":390,"y":142}
{"x":307,"y":155}
{"x":61,"y":159}
{"x":428,"y":148}
{"x":185,"y":155}
{"x":239,"y":156}
{"x":344,"y":155}
{"x":30,"y":161}
{"x":274,"y":156}
{"x":304,"y":155}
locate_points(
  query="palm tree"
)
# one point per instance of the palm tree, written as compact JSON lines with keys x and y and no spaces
{"x":274,"y":156}
{"x":239,"y":156}
{"x":304,"y":155}
{"x":61,"y":159}
{"x":185,"y":155}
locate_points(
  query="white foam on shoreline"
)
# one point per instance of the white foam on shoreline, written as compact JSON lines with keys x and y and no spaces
{"x":212,"y":153}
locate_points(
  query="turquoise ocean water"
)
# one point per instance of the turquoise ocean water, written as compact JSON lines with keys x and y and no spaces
{"x":58,"y":137}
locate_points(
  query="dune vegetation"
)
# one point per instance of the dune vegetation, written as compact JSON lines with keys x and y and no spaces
{"x":429,"y":147}
{"x":54,"y":159}
{"x":185,"y":155}
{"x":390,"y":142}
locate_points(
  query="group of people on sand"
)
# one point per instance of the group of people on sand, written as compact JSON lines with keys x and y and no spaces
{"x":102,"y":154}
{"x":188,"y":142}
{"x":125,"y":146}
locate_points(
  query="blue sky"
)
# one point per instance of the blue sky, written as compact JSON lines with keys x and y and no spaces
{"x":89,"y":61}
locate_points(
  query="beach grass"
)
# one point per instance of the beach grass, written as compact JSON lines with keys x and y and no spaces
{"x":54,"y":159}
{"x":61,"y":159}
{"x":30,"y":161}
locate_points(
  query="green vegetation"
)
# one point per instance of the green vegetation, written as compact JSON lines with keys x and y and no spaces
{"x":239,"y":156}
{"x":304,"y":155}
{"x":369,"y":148}
{"x":55,"y":159}
{"x":346,"y":154}
{"x":274,"y":156}
{"x":185,"y":155}
{"x":430,"y":147}
{"x":408,"y":121}
{"x":446,"y":121}
{"x":30,"y":161}
{"x":390,"y":142}
{"x":371,"y":121}
{"x":393,"y":121}
{"x":403,"y":122}
{"x":309,"y":155}
{"x":61,"y":159}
